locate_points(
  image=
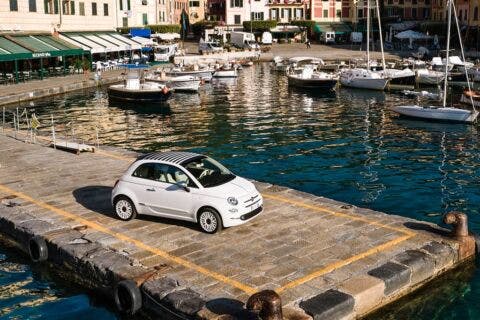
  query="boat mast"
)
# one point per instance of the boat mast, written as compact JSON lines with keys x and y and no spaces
{"x":463,"y":54}
{"x":448,"y":53}
{"x":381,"y":35}
{"x":368,"y":34}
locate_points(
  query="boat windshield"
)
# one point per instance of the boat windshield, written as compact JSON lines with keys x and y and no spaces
{"x":209,"y":172}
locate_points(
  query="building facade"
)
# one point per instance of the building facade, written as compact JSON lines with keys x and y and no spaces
{"x":216,"y":10}
{"x":237,"y":11}
{"x":57,"y":15}
{"x":407,"y":9}
{"x":196,"y":10}
{"x":136,"y":13}
{"x":287,"y":10}
{"x":327,"y":11}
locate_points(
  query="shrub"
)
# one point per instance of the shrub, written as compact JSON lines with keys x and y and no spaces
{"x":260,"y":26}
{"x":199,"y":27}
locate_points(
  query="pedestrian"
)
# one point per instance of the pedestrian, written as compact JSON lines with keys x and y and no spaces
{"x":307,"y":42}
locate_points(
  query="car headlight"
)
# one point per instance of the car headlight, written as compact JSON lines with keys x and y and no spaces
{"x":232,"y":201}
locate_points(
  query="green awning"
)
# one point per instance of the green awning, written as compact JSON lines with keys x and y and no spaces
{"x":322,"y":28}
{"x":23,"y":47}
{"x":341,"y":28}
{"x":338,"y":28}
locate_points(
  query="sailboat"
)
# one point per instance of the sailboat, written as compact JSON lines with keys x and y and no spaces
{"x":443,"y":113}
{"x":366,"y":78}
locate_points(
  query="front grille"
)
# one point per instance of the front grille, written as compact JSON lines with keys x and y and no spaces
{"x":251,"y":214}
{"x":252,"y":201}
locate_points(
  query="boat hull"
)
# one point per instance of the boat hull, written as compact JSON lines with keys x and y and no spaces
{"x":437,"y":114}
{"x":203,"y":75}
{"x":363,"y":83}
{"x":180,"y":85}
{"x":119,"y":94}
{"x":327,"y":84}
{"x":225,"y":74}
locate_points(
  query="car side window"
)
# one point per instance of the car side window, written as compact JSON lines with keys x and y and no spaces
{"x":145,"y":171}
{"x":173,"y":175}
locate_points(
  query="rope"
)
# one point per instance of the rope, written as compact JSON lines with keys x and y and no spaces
{"x":463,"y":54}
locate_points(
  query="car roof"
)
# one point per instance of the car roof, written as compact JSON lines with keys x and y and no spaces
{"x":176,"y":157}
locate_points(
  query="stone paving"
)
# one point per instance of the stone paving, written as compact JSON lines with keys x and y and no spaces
{"x":306,"y":248}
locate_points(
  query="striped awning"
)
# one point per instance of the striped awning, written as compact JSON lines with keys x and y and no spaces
{"x":101,"y":42}
{"x":30,"y":46}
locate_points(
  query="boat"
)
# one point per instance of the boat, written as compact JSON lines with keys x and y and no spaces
{"x":400,"y":79}
{"x":134,"y":90}
{"x":180,"y":83}
{"x":204,"y":74}
{"x":365,"y":78}
{"x":429,"y":77}
{"x":422,"y":94}
{"x":470,"y":96}
{"x":279,"y":64}
{"x":441,"y":113}
{"x":309,"y":79}
{"x":226,"y":71}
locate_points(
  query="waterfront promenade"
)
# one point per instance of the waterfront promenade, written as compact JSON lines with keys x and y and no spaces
{"x":326,"y":259}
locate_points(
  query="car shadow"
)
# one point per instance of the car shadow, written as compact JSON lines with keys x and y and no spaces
{"x":231,"y":307}
{"x":97,"y":199}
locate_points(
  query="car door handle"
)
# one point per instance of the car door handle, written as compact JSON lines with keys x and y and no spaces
{"x":150,"y":189}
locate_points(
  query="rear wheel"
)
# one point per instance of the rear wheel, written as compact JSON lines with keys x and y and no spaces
{"x":124,"y":208}
{"x":210,"y":221}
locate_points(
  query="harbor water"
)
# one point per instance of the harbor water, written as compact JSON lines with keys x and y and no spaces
{"x":346,"y":145}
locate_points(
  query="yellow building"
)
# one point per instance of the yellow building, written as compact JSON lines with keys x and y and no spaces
{"x":196,"y":10}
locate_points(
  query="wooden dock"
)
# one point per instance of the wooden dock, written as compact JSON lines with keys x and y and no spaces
{"x":324,"y":258}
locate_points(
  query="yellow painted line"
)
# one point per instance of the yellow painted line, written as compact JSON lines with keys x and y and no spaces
{"x":342,"y":263}
{"x":125,"y":238}
{"x":336,"y":213}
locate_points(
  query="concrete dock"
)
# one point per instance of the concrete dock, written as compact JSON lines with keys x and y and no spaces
{"x":326,"y":259}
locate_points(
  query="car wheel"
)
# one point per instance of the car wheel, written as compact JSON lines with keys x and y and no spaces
{"x":210,"y":221}
{"x":124,"y":208}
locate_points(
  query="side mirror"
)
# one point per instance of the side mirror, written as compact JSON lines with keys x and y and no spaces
{"x":184,"y":186}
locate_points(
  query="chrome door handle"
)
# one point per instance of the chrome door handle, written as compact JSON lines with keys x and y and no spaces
{"x":151,"y":189}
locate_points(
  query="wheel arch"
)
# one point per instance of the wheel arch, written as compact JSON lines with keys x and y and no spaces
{"x":207,"y":207}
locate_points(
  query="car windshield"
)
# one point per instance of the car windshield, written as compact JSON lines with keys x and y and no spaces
{"x":209,"y":172}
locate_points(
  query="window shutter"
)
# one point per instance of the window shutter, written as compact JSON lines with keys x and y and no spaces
{"x":72,"y":7}
{"x":55,"y":6}
{"x":121,"y":4}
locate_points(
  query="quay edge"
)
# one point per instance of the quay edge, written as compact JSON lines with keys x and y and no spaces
{"x":178,"y":276}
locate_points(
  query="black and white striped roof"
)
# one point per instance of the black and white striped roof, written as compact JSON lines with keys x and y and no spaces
{"x":172,"y":157}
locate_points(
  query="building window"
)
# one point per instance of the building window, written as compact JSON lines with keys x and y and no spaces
{"x":273,"y":14}
{"x":195,"y":4}
{"x":68,"y":7}
{"x":81,"y":8}
{"x":299,"y":13}
{"x":144,"y":2}
{"x":257,"y":16}
{"x":236,"y":19}
{"x":414,"y":1}
{"x":325,"y":13}
{"x":144,"y":19}
{"x":414,"y":13}
{"x":125,"y":4}
{"x":475,"y":14}
{"x":32,"y":5}
{"x":360,"y":13}
{"x":339,"y":13}
{"x":13,"y":5}
{"x":94,"y":8}
{"x":124,"y":22}
{"x":236,"y":3}
{"x":465,"y":16}
{"x":50,"y":6}
{"x":105,"y":9}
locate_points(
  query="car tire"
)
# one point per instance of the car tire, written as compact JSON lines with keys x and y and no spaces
{"x":124,"y":208}
{"x":210,"y":221}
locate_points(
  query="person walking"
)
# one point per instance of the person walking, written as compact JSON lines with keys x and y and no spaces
{"x":307,"y":43}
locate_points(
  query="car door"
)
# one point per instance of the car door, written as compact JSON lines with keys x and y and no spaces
{"x":170,"y":198}
{"x":142,"y":185}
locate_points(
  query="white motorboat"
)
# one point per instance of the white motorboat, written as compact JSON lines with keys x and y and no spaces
{"x":442,"y":113}
{"x":422,"y":94}
{"x":226,"y":72}
{"x":135,"y":91}
{"x":181,"y":83}
{"x":363,"y":79}
{"x":202,"y":74}
{"x":437,"y":113}
{"x":309,"y":79}
{"x":279,"y":64}
{"x":429,"y":77}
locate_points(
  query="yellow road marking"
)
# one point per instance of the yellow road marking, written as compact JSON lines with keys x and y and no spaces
{"x":336,"y":213}
{"x":135,"y":242}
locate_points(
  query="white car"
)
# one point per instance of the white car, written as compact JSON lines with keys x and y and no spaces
{"x":186,"y":186}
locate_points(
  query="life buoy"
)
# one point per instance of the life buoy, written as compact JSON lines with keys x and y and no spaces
{"x":128,"y":298}
{"x":37,"y":248}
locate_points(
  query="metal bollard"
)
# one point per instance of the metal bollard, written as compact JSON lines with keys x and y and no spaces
{"x":459,"y":221}
{"x":267,"y":304}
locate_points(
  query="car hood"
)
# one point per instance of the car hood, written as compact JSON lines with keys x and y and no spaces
{"x":238,"y":187}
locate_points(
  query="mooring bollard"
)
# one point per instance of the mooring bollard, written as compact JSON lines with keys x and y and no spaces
{"x":459,"y":221}
{"x":267,"y":304}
